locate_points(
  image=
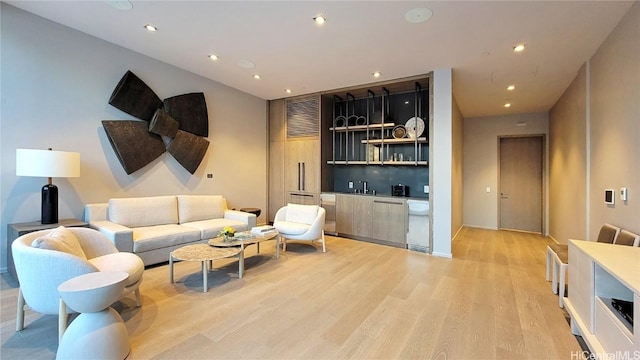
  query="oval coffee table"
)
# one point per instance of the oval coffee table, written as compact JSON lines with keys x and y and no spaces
{"x":203,"y":253}
{"x":244,"y":239}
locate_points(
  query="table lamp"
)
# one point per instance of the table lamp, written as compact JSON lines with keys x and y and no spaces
{"x":49,"y":164}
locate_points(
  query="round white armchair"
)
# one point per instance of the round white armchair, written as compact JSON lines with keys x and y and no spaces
{"x":44,"y":264}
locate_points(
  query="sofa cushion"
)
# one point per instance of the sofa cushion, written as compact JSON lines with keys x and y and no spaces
{"x":161,"y":236}
{"x":292,"y":228}
{"x":305,"y":214}
{"x":144,"y":211}
{"x":200,"y":207}
{"x":122,"y":261}
{"x":60,"y":239}
{"x":211,"y":228}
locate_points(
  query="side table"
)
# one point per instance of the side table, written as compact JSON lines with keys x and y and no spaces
{"x":14,"y":231}
{"x":98,"y":332}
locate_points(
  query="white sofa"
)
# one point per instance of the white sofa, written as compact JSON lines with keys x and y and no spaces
{"x":152,"y":227}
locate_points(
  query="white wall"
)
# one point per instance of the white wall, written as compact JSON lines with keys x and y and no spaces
{"x":568,"y":163}
{"x":595,"y":132}
{"x":614,"y":107}
{"x":480,"y":162}
{"x":56,"y":84}
{"x":440,"y":143}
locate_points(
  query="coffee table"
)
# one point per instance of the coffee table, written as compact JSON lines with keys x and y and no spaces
{"x":244,"y":239}
{"x":203,"y":253}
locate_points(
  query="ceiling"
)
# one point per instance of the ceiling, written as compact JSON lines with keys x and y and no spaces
{"x":290,"y":51}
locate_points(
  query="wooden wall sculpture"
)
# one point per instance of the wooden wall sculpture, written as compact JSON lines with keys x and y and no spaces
{"x":134,"y":145}
{"x":182,"y":118}
{"x":188,"y":149}
{"x":190,"y":110}
{"x":134,"y":97}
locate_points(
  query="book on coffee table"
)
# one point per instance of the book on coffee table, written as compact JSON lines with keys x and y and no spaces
{"x":261,"y":230}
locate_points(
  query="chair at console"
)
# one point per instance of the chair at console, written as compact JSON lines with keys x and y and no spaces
{"x":627,"y":238}
{"x":559,"y":254}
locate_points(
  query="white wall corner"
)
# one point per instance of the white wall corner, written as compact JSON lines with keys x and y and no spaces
{"x":441,"y":144}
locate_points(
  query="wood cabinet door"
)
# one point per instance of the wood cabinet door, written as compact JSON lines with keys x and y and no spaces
{"x":389,"y":220}
{"x":277,"y":194}
{"x":276,"y":178}
{"x":302,"y":166}
{"x":344,"y":214}
{"x":304,"y":198}
{"x":362,"y":216}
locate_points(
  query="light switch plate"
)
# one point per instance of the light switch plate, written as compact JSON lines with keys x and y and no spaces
{"x":623,"y":194}
{"x":350,"y":184}
{"x":488,"y":189}
{"x":426,"y":189}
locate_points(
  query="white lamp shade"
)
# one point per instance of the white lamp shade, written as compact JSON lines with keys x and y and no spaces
{"x":47,"y":163}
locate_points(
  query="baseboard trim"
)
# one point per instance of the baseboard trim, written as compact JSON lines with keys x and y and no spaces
{"x":442,"y":255}
{"x":480,"y":227}
{"x":554,"y":239}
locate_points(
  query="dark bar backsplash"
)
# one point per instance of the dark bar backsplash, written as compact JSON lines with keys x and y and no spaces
{"x":380,"y":178}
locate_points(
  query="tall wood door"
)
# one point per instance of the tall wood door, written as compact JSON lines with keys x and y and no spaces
{"x":277,"y":134}
{"x":302,"y":166}
{"x":521,"y":160}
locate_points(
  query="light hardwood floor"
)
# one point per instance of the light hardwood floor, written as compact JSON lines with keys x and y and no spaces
{"x":357,"y":301}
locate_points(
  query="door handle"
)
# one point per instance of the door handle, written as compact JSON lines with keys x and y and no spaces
{"x":504,"y":195}
{"x":304,"y":178}
{"x":299,"y":167}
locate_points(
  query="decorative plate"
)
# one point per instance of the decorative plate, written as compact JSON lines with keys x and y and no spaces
{"x":399,"y":131}
{"x":415,"y":127}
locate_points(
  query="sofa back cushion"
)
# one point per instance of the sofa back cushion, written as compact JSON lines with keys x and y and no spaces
{"x":144,"y":211}
{"x":200,"y":207}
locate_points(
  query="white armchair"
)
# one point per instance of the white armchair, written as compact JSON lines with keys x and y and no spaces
{"x":41,"y":270}
{"x":300,"y":223}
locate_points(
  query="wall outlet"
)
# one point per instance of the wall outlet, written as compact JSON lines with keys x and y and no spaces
{"x":350,"y":184}
{"x":426,"y":189}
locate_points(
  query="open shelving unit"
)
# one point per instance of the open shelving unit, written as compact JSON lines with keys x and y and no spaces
{"x":374,"y":139}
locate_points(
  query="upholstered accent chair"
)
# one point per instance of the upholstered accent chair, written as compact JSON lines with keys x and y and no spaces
{"x":45,"y":259}
{"x":300,"y":223}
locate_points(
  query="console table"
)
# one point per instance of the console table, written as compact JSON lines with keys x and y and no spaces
{"x":14,"y":231}
{"x":600,"y":272}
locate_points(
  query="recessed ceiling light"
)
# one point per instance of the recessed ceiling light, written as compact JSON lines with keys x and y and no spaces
{"x":256,"y":76}
{"x":150,"y":27}
{"x":246,"y":64}
{"x":376,"y":74}
{"x":213,"y":57}
{"x":121,"y":4}
{"x":519,"y":48}
{"x":288,"y":91}
{"x":418,"y":15}
{"x":511,"y":87}
{"x":320,"y":19}
{"x":507,"y":105}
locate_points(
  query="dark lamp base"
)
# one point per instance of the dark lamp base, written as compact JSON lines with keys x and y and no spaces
{"x":49,"y":204}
